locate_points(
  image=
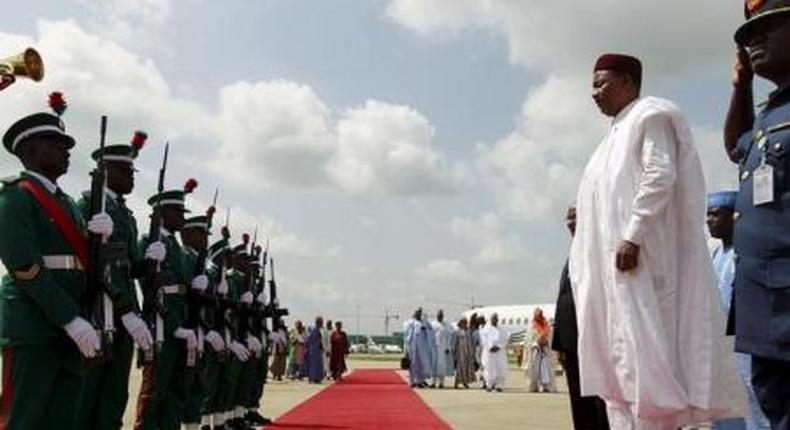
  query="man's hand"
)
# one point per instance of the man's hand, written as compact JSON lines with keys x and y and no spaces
{"x":627,"y":256}
{"x":222,"y":288}
{"x":85,"y":336}
{"x":742,"y":73}
{"x":101,"y":224}
{"x":200,"y":283}
{"x":241,"y":353}
{"x":187,"y":336}
{"x":138,"y":330}
{"x":215,"y":340}
{"x":156,"y":251}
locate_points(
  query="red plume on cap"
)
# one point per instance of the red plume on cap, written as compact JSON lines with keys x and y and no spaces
{"x":225,"y":232}
{"x":57,"y":102}
{"x":190,"y":185}
{"x":245,"y":238}
{"x":138,"y":141}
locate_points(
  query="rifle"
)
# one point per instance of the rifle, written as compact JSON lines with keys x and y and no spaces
{"x":151,"y":281}
{"x":275,"y":311}
{"x":222,"y":318}
{"x":99,"y":275}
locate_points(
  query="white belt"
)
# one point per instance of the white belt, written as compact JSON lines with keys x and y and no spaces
{"x":174,"y":289}
{"x":62,"y":262}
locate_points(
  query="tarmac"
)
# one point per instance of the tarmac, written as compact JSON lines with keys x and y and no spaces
{"x":472,"y":408}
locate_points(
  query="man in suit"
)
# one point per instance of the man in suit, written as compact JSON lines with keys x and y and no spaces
{"x":589,"y":413}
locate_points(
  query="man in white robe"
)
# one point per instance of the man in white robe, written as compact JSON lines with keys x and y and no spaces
{"x":326,"y":333}
{"x":444,"y":365}
{"x":493,"y":344}
{"x":419,"y":345}
{"x":651,"y":332}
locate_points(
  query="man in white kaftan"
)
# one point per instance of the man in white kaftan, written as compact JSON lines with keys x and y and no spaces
{"x":493,"y":344}
{"x":444,"y":365}
{"x":420,"y":346}
{"x":651,"y":331}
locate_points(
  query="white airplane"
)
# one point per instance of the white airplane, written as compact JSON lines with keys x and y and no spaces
{"x":515,"y":319}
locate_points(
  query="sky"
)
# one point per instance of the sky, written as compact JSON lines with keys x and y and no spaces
{"x":396,"y":153}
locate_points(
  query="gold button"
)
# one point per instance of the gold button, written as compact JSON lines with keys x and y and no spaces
{"x":760,"y":133}
{"x":745,"y":175}
{"x":777,"y":146}
{"x":736,"y":215}
{"x":761,"y":142}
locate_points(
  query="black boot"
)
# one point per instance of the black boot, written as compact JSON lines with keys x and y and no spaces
{"x":256,"y":419}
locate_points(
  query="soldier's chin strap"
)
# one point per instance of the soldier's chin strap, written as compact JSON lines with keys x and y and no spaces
{"x":60,"y":217}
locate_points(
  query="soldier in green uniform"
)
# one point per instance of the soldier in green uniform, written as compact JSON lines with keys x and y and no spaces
{"x":161,"y":400}
{"x":105,"y":390}
{"x":232,"y":412}
{"x":195,"y":234}
{"x":254,"y":375}
{"x":212,"y":319}
{"x":43,"y":245}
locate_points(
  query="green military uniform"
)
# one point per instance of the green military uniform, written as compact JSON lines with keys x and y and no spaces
{"x":44,"y":289}
{"x":213,"y":363}
{"x":228,"y":397}
{"x":105,"y":390}
{"x":196,"y":313}
{"x":161,"y":399}
{"x":259,"y":365}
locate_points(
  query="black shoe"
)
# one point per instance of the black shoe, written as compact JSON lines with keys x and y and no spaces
{"x":255,"y":419}
{"x":220,"y":427}
{"x":205,"y":427}
{"x":498,"y":390}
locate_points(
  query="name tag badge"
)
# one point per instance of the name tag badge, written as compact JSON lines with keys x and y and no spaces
{"x":763,"y":180}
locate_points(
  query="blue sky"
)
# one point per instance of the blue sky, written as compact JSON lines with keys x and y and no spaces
{"x":397,"y":152}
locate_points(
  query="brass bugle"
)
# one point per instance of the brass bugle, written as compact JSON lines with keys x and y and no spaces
{"x":26,"y":64}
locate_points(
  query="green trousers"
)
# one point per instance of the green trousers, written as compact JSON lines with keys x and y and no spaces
{"x":213,"y":371}
{"x":229,"y":385}
{"x":161,"y":401}
{"x":203,"y":386}
{"x":39,"y":387}
{"x":259,"y":378}
{"x":105,"y":389}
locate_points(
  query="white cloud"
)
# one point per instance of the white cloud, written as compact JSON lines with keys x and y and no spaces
{"x":135,"y":22}
{"x":534,"y":171}
{"x":670,"y":36}
{"x":280,"y":131}
{"x":445,"y":272}
{"x":387,"y":148}
{"x":491,"y":239}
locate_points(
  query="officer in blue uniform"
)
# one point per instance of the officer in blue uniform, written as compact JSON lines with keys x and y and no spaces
{"x":762,"y":210}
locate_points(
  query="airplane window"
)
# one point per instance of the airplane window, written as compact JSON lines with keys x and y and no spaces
{"x":518,"y":321}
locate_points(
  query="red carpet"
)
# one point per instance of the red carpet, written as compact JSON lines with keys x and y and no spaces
{"x":366,"y":399}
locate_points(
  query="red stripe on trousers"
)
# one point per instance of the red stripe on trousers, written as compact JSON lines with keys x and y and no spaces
{"x":6,"y":398}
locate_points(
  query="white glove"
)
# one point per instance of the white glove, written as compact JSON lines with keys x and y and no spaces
{"x":200,"y":283}
{"x":246,"y":298}
{"x":215,"y":340}
{"x":254,"y":344}
{"x":222,"y":288}
{"x":84,"y":335}
{"x":138,"y":330}
{"x":187,"y":335}
{"x":101,"y":224}
{"x":261,"y":298}
{"x":239,"y":351}
{"x":156,"y":251}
